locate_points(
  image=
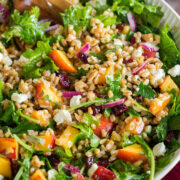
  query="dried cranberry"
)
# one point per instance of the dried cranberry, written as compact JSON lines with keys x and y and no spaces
{"x":83,"y":57}
{"x":84,"y":109}
{"x":120,"y":27}
{"x":54,"y":160}
{"x":170,"y":135}
{"x":64,"y":81}
{"x":99,"y":95}
{"x":139,"y":99}
{"x":104,"y":163}
{"x":96,"y":109}
{"x":120,"y":109}
{"x":89,"y":161}
{"x":128,"y":61}
{"x":133,"y":40}
{"x":14,"y":166}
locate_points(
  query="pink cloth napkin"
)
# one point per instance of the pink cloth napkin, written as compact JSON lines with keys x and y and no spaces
{"x":173,"y":174}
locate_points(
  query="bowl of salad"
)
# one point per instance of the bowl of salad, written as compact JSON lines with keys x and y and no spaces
{"x":95,"y":96}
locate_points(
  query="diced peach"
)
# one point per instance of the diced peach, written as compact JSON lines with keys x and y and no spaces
{"x":9,"y":147}
{"x":47,"y":142}
{"x":42,"y":116}
{"x":158,"y":104}
{"x":67,"y":138}
{"x":168,"y":85}
{"x":46,"y":95}
{"x":132,"y":153}
{"x":105,"y":124}
{"x":5,"y":167}
{"x":102,"y":77}
{"x":134,"y":125}
{"x":61,"y":60}
{"x":38,"y":175}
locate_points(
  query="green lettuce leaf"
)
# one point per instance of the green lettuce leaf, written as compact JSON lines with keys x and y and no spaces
{"x":78,"y":16}
{"x":145,"y":91}
{"x":30,"y":69}
{"x":107,"y":20}
{"x":26,"y":26}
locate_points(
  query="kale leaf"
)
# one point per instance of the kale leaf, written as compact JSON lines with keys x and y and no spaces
{"x":26,"y":26}
{"x":145,"y":91}
{"x":170,"y":55}
{"x":78,"y":16}
{"x":30,"y":69}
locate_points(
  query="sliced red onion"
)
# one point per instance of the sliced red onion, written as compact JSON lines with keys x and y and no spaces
{"x":72,"y":168}
{"x":3,"y":15}
{"x":150,"y":47}
{"x":70,"y":94}
{"x":138,"y":70}
{"x":45,"y":20}
{"x":85,"y":48}
{"x":112,"y":104}
{"x":132,"y":21}
{"x":52,"y":28}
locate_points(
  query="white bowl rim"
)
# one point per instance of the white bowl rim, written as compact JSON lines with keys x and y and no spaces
{"x":159,"y":175}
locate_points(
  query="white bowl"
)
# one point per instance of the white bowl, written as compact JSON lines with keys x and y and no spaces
{"x":173,"y":19}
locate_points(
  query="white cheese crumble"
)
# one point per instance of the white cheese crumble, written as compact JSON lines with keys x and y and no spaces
{"x":19,"y":98}
{"x":137,"y":53}
{"x":159,"y":75}
{"x":75,"y":100}
{"x":118,"y":42}
{"x":62,"y":116}
{"x":159,"y":149}
{"x":23,"y":59}
{"x":94,"y":2}
{"x":92,"y":169}
{"x":52,"y":174}
{"x":1,"y":56}
{"x":175,"y":71}
{"x":7,"y":60}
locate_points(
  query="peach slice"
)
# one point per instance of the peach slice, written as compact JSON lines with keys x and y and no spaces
{"x":168,"y":85}
{"x":61,"y":60}
{"x":158,"y":104}
{"x":38,"y":175}
{"x":67,"y":138}
{"x":132,"y":153}
{"x":9,"y":147}
{"x":5,"y":169}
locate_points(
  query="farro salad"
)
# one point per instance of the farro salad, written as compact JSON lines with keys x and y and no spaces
{"x":95,"y":97}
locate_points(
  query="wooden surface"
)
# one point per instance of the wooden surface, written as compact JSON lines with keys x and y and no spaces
{"x":175,"y":4}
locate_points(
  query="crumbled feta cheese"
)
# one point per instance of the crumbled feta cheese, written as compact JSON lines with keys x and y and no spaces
{"x":7,"y":60}
{"x":159,"y":75}
{"x":92,"y":169}
{"x":1,"y":56}
{"x":52,"y":174}
{"x":19,"y":97}
{"x":75,"y":100}
{"x":137,"y":53}
{"x":118,"y":42}
{"x":175,"y":71}
{"x":23,"y":59}
{"x":62,"y":116}
{"x":159,"y":149}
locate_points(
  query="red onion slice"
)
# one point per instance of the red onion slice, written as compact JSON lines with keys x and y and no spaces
{"x":112,"y":104}
{"x":138,"y":70}
{"x":3,"y":15}
{"x":72,"y":168}
{"x":150,"y":47}
{"x":70,"y":94}
{"x":132,"y":21}
{"x":85,"y":48}
{"x":52,"y":28}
